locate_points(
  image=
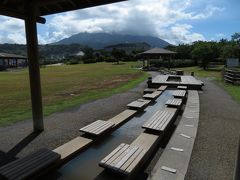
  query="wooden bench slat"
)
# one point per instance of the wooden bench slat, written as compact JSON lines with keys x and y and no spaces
{"x":140,"y":103}
{"x":86,"y":128}
{"x":98,"y":127}
{"x":174,"y":102}
{"x":160,"y":121}
{"x":30,"y":164}
{"x":135,"y":162}
{"x":130,"y":160}
{"x":36,"y":166}
{"x":122,"y":159}
{"x":103,"y":128}
{"x":112,"y":153}
{"x":163,"y":115}
{"x":23,"y":162}
{"x":162,"y":125}
{"x":121,"y":154}
{"x":116,"y":155}
{"x":162,"y":88}
{"x":154,"y":117}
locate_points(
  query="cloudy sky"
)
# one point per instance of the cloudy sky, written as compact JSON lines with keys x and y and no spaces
{"x":176,"y":21}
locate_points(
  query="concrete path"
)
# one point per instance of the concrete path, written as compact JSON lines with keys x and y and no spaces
{"x":18,"y":139}
{"x":215,"y":148}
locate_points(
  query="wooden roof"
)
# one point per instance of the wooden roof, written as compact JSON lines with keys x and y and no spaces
{"x":11,"y":56}
{"x":157,"y":51}
{"x":17,"y":8}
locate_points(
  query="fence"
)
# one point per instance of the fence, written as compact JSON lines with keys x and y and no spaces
{"x":232,"y":76}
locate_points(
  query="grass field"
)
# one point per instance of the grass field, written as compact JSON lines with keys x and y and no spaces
{"x":63,"y":87}
{"x":215,"y":74}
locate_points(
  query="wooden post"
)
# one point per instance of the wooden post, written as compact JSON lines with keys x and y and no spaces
{"x":34,"y":69}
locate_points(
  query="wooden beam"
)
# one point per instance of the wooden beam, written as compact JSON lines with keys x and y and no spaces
{"x":34,"y":70}
{"x":13,"y":13}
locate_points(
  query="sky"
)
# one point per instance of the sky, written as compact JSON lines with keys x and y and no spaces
{"x":176,"y":21}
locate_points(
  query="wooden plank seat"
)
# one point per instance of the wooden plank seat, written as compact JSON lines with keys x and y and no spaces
{"x":138,"y":104}
{"x":149,"y":90}
{"x":160,"y":120}
{"x":162,"y":88}
{"x":30,"y":165}
{"x":179,"y":93}
{"x":153,"y":95}
{"x":174,"y":102}
{"x":97,"y":128}
{"x":123,"y":159}
{"x":182,"y":87}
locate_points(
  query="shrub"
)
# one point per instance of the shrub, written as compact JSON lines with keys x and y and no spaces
{"x":174,"y":63}
{"x":89,"y":61}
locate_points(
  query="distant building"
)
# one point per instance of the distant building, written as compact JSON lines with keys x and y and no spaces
{"x":129,"y":47}
{"x":12,"y":61}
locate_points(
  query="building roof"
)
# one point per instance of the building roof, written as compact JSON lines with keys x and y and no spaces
{"x":19,"y":8}
{"x":11,"y":56}
{"x":158,"y":51}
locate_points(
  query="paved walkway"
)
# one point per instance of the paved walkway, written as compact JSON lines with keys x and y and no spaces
{"x":215,"y":148}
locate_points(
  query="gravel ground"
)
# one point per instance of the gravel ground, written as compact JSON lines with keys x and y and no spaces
{"x":215,"y":147}
{"x":17,"y":140}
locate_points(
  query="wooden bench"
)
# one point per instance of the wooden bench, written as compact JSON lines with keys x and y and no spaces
{"x":160,"y":120}
{"x":182,"y":87}
{"x":162,"y":88}
{"x":179,"y":93}
{"x":149,"y":90}
{"x":123,"y":159}
{"x":174,"y":102}
{"x":97,"y":128}
{"x":153,"y":95}
{"x":138,"y":104}
{"x":29,"y":166}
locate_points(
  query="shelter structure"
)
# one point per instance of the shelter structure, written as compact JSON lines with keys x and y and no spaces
{"x":156,"y":54}
{"x":12,"y":60}
{"x":31,"y":12}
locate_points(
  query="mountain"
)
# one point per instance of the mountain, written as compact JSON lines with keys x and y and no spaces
{"x":101,"y":40}
{"x":45,"y":51}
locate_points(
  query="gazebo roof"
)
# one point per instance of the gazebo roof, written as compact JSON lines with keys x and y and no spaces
{"x":158,"y":51}
{"x":11,"y":56}
{"x":17,"y":8}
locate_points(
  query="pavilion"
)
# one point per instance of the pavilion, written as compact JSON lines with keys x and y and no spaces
{"x":156,"y":54}
{"x":12,"y":60}
{"x":31,"y":12}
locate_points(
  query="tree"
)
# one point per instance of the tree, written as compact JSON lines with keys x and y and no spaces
{"x":203,"y":53}
{"x":88,"y":53}
{"x":236,"y":38}
{"x":231,"y":51}
{"x":118,"y":54}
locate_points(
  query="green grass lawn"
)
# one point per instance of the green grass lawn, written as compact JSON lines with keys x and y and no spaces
{"x":63,"y":87}
{"x":215,"y":74}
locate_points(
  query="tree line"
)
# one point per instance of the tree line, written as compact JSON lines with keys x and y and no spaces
{"x":203,"y":52}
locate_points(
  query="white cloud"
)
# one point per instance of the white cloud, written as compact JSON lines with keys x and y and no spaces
{"x":162,"y":18}
{"x":220,"y":35}
{"x":12,"y":30}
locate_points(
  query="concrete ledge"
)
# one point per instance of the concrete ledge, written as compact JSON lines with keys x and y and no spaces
{"x":72,"y":147}
{"x":122,"y":117}
{"x":177,"y":154}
